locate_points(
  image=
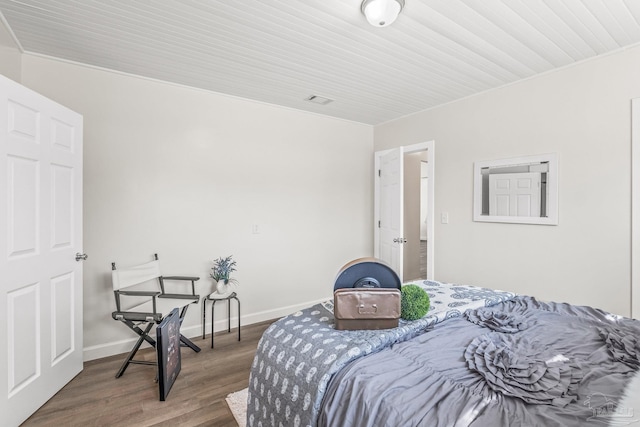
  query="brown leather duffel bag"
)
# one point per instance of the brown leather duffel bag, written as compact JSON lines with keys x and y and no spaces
{"x":366,"y":308}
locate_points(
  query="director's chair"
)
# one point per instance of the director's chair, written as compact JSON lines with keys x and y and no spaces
{"x":144,"y":287}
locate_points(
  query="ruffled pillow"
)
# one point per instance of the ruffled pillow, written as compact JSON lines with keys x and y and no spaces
{"x":515,"y":367}
{"x":622,"y":346}
{"x":498,"y":320}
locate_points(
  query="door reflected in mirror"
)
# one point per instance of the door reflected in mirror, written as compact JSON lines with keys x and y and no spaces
{"x":517,"y":190}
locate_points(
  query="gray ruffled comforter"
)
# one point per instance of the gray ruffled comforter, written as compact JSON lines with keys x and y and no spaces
{"x":298,"y":355}
{"x":517,"y":363}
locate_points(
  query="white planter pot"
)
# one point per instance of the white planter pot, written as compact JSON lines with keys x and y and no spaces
{"x":223,"y":288}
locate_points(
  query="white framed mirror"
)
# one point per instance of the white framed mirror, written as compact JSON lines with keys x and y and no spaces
{"x":521,"y":190}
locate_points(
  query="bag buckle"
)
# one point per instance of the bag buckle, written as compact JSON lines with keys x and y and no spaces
{"x":361,"y":309}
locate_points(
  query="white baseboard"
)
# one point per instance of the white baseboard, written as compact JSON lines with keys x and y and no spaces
{"x":124,"y":346}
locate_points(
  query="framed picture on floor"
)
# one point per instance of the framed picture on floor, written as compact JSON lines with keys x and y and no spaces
{"x":168,"y":349}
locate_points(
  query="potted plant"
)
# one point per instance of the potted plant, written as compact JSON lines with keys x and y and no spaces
{"x":222,"y":269}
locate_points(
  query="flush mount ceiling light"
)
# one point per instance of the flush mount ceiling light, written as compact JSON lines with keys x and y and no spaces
{"x":381,"y":13}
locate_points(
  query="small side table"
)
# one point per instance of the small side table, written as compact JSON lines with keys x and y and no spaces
{"x":214,"y":297}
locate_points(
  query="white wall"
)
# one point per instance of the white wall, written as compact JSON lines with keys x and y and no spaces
{"x":187,"y":174}
{"x":583,"y":114}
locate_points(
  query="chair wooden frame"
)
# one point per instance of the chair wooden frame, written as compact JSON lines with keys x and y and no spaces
{"x":157,"y":304}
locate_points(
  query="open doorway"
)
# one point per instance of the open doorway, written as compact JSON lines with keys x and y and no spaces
{"x":416,"y":191}
{"x":392,"y":240}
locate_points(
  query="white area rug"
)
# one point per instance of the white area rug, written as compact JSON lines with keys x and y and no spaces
{"x":628,"y":409}
{"x":238,"y":404}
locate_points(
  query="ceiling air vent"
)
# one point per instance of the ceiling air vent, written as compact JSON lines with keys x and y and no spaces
{"x":318,"y":99}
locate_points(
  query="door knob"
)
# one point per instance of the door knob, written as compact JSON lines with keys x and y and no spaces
{"x":81,"y":257}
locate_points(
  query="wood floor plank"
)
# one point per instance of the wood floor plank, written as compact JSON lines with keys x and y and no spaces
{"x":96,"y":398}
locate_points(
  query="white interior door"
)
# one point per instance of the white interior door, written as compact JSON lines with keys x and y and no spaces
{"x":391,"y":209}
{"x":514,"y":194}
{"x":40,"y":234}
{"x":635,"y":208}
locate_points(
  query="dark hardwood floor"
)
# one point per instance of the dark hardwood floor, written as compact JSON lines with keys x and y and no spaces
{"x":96,"y":398}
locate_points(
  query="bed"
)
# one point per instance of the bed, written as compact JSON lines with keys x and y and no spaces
{"x":479,"y":357}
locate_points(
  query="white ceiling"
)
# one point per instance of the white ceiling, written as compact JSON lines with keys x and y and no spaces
{"x":283,"y":51}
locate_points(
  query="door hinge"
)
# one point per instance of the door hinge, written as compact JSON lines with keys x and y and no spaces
{"x":379,"y":225}
{"x":379,"y":172}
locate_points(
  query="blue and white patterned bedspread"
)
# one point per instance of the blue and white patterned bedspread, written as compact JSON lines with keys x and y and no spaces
{"x":297,"y":355}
